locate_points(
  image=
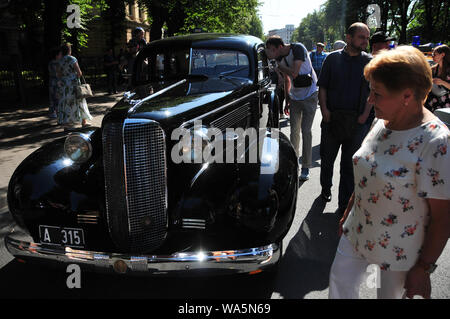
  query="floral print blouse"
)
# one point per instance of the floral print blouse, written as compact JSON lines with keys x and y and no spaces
{"x":395,"y":172}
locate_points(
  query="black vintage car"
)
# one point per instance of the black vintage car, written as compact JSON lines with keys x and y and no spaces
{"x":188,"y":173}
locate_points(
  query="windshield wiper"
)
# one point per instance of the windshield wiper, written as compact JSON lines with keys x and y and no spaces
{"x":222,"y":74}
{"x":200,"y":77}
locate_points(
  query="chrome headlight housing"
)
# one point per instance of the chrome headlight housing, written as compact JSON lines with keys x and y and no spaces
{"x":78,"y":147}
{"x":192,"y":148}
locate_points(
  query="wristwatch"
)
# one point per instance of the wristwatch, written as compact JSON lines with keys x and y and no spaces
{"x":429,"y":268}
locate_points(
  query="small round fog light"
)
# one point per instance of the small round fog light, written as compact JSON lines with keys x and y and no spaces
{"x":78,"y":147}
{"x":120,"y":266}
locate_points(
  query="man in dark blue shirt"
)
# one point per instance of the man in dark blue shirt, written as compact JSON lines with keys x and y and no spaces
{"x":343,"y":94}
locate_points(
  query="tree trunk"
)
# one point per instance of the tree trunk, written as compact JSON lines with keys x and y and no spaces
{"x":159,"y":16}
{"x":446,"y":22}
{"x":429,"y":19}
{"x":384,"y":8}
{"x":115,"y":15}
{"x":53,"y":25}
{"x":403,"y":8}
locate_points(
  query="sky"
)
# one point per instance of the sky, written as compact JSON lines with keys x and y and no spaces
{"x":275,"y":14}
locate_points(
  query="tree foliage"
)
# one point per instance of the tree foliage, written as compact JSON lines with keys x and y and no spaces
{"x":311,"y":30}
{"x":183,"y":16}
{"x":400,"y":18}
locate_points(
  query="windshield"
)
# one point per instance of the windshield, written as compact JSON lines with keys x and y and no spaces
{"x":172,"y":64}
{"x":219,"y":62}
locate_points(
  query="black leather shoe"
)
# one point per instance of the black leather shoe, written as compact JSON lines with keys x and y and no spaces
{"x":326,"y":196}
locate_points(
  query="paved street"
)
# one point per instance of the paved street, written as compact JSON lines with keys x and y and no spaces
{"x":309,"y":246}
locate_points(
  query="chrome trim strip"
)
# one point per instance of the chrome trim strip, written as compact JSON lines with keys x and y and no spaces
{"x":216,"y":110}
{"x":193,"y":223}
{"x":170,"y":87}
{"x":233,"y":261}
{"x":190,"y":60}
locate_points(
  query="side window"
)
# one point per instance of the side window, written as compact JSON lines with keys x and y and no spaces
{"x":263,"y":66}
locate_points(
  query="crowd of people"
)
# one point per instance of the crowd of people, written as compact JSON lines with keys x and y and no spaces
{"x":377,"y":108}
{"x":65,"y":76}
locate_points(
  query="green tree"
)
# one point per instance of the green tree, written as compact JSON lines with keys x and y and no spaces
{"x":311,"y":30}
{"x":254,"y":26}
{"x":89,"y":11}
{"x":402,"y":13}
{"x":183,"y":16}
{"x":431,"y":20}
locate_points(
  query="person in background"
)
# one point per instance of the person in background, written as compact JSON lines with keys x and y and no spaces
{"x":121,"y":58}
{"x":317,"y":57}
{"x":130,"y":57}
{"x":53,"y":87}
{"x":379,"y":41}
{"x":71,"y":109}
{"x":338,"y":45}
{"x":293,"y":61}
{"x":439,"y":97}
{"x":138,"y":39}
{"x":343,"y":96}
{"x":110,"y":65}
{"x":399,"y":214}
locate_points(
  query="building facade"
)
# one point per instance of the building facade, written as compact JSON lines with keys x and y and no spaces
{"x":99,"y":32}
{"x":285,"y":33}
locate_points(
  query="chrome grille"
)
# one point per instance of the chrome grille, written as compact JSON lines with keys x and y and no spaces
{"x":116,"y":205}
{"x":232,"y":118}
{"x":143,"y":174}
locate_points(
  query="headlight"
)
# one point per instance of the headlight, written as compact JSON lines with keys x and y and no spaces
{"x":196,"y":144}
{"x":78,"y":147}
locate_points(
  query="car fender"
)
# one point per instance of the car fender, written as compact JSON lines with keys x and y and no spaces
{"x":47,"y":187}
{"x":259,"y":196}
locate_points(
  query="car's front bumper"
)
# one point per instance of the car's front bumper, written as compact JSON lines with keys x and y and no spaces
{"x":250,"y":260}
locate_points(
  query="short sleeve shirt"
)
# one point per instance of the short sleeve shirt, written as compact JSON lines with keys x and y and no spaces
{"x":67,"y":67}
{"x":299,"y":52}
{"x":317,"y":59}
{"x":395,"y":172}
{"x":342,"y":76}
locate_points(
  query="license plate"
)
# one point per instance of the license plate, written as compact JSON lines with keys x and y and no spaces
{"x":61,"y":236}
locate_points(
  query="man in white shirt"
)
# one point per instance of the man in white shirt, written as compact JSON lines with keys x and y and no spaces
{"x":301,"y":93}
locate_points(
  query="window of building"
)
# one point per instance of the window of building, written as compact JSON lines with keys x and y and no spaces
{"x":131,"y":9}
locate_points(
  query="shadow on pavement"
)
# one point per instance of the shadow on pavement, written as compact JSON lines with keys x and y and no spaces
{"x":32,"y":125}
{"x":306,"y":264}
{"x":304,"y":268}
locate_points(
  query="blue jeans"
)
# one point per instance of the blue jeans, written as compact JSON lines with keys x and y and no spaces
{"x":329,"y":148}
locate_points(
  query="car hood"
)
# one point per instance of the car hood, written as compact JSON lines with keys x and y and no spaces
{"x":180,"y":100}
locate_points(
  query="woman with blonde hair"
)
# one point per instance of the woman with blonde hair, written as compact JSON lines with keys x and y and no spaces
{"x":399,"y":214}
{"x":71,"y":109}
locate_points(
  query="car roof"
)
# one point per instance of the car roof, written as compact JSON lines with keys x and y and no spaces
{"x":210,"y":40}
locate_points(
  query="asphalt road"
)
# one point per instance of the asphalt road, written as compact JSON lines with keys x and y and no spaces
{"x":309,"y":250}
